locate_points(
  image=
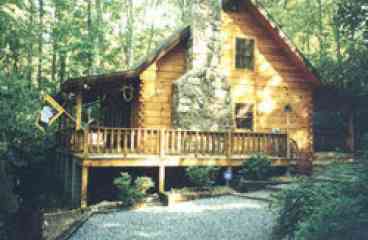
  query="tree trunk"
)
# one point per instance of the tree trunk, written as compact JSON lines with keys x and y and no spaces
{"x":32,"y":83}
{"x":186,"y":10}
{"x":53,"y":62}
{"x":321,"y":38}
{"x":130,"y":34}
{"x":40,"y":42}
{"x":62,"y":68}
{"x":100,"y":35}
{"x":90,"y":38}
{"x":339,"y":57}
{"x":152,"y":30}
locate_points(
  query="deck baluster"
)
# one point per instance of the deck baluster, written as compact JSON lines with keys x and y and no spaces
{"x":173,"y":142}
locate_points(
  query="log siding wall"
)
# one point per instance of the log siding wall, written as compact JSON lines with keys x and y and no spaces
{"x":275,"y":82}
{"x":156,"y":89}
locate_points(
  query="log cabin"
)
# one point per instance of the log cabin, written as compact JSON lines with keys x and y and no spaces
{"x":229,"y":85}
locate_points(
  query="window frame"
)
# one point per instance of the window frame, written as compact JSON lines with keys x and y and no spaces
{"x":252,"y":129}
{"x":235,"y":55}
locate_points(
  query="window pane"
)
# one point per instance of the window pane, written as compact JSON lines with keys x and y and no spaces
{"x":245,"y":123}
{"x":240,"y":45}
{"x":240,"y":61}
{"x":244,"y":115}
{"x":244,"y":53}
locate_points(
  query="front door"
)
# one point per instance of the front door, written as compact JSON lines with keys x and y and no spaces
{"x":116,"y":111}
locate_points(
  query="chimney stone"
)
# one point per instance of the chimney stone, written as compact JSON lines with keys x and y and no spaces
{"x":201,"y":97}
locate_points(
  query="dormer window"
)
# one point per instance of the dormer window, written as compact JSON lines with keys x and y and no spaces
{"x":244,"y":58}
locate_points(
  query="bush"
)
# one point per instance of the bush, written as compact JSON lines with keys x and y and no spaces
{"x":132,"y":192}
{"x":142,"y":185}
{"x":202,"y":177}
{"x":316,"y":209}
{"x":257,"y":167}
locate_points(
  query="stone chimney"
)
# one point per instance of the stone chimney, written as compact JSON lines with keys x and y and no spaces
{"x":206,"y":33}
{"x":202,"y":99}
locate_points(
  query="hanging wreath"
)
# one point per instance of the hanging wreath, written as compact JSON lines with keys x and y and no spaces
{"x":128,"y":93}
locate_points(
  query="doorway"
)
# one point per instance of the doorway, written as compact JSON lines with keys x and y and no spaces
{"x":116,"y":111}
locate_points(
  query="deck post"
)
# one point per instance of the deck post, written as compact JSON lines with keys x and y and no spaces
{"x":66,"y":173}
{"x":162,"y":142}
{"x":288,"y":153}
{"x":74,"y":169}
{"x":161,"y":179}
{"x":229,"y":144}
{"x":78,"y":111}
{"x":84,"y":187}
{"x":85,"y":142}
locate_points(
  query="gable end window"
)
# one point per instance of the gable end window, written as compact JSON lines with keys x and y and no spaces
{"x":231,"y":6}
{"x":244,"y":58}
{"x":244,"y":116}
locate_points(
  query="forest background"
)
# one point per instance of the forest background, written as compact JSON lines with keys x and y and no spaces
{"x":45,"y":42}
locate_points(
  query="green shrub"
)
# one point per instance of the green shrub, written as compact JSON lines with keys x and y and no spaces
{"x":130,"y":192}
{"x":202,"y":177}
{"x":257,"y":167}
{"x":314,"y":209}
{"x":142,"y":185}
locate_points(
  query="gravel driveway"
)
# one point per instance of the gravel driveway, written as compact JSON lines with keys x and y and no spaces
{"x":217,"y":218}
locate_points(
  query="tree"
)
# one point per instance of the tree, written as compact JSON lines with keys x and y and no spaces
{"x":40,"y":41}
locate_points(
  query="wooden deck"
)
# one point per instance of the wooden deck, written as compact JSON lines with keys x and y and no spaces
{"x":116,"y":147}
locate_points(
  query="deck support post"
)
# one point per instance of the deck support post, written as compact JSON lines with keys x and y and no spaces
{"x":74,"y":169}
{"x":66,"y":173}
{"x":161,"y":179}
{"x":84,"y":187}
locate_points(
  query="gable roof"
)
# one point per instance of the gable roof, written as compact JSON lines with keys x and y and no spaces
{"x":182,"y":35}
{"x":176,"y":38}
{"x":284,"y":40}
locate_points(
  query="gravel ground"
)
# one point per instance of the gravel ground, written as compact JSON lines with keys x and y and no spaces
{"x":217,"y":218}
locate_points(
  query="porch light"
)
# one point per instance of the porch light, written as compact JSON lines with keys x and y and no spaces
{"x":86,"y":87}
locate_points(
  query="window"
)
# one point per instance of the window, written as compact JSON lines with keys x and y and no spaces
{"x":231,"y":6}
{"x":244,"y":58}
{"x":244,"y":116}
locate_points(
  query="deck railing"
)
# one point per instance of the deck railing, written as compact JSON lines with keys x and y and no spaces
{"x":173,"y":142}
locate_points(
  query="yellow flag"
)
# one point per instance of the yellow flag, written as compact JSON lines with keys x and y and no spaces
{"x":49,"y":113}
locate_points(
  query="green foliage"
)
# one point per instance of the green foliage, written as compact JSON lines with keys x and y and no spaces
{"x":315,"y":209}
{"x":332,"y":34}
{"x":202,"y":177}
{"x":143,"y":184}
{"x":130,"y":192}
{"x":257,"y":167}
